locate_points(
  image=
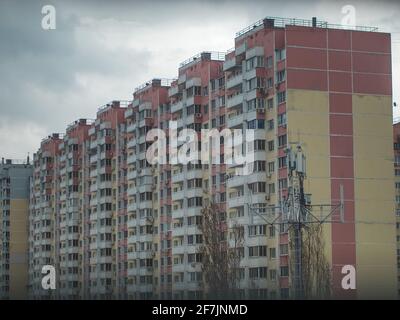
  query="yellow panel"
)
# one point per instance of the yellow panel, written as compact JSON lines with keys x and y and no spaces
{"x":374,"y":195}
{"x":308,"y":123}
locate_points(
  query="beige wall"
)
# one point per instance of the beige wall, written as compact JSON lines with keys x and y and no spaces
{"x":374,"y":197}
{"x":18,"y":248}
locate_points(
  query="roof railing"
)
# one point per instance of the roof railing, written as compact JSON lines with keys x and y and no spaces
{"x":280,"y":22}
{"x":161,"y":82}
{"x":205,"y":55}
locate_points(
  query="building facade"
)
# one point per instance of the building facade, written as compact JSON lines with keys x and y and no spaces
{"x":396,"y":148}
{"x":118,"y":226}
{"x":14,"y":217}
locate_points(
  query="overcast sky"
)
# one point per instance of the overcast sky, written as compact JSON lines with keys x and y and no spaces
{"x":101,"y":50}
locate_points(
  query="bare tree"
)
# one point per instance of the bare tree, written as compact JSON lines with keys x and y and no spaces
{"x":220,"y":261}
{"x":316,"y":272}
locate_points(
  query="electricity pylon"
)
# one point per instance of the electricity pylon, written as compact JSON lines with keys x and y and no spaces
{"x":295,"y":212}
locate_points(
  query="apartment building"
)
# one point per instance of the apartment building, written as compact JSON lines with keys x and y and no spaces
{"x":15,"y":176}
{"x":43,"y":214}
{"x":107,"y":204}
{"x":72,"y":210}
{"x":396,"y":147}
{"x":133,"y":229}
{"x":149,"y":196}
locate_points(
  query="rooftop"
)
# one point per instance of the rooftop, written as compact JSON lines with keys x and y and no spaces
{"x":161,"y":82}
{"x":115,"y":104}
{"x":278,"y":22}
{"x":205,"y":55}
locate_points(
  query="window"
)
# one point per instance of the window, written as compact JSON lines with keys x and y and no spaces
{"x":271,"y":166}
{"x":280,"y":54}
{"x":281,"y":97}
{"x":256,"y":124}
{"x":271,"y":188}
{"x":270,"y":124}
{"x":270,"y":83}
{"x":270,"y":103}
{"x":280,"y":76}
{"x":281,"y":119}
{"x":258,"y":251}
{"x":284,"y":249}
{"x":257,"y":103}
{"x":282,"y":140}
{"x":269,"y":62}
{"x":271,"y":145}
{"x":284,"y":271}
{"x":254,"y":62}
{"x":282,"y":183}
{"x":282,"y":162}
{"x":255,"y":83}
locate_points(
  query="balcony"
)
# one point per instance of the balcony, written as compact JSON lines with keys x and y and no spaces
{"x":241,"y":48}
{"x":93,"y":158}
{"x":238,"y":201}
{"x":182,"y":78}
{"x":235,"y":120}
{"x":193,"y":82}
{"x":131,"y":159}
{"x":234,"y":81}
{"x":173,"y":91}
{"x":179,"y":249}
{"x":131,"y":127}
{"x":131,"y":143}
{"x":176,"y":106}
{"x":230,"y":64}
{"x":178,"y":195}
{"x":131,"y":174}
{"x":93,"y":144}
{"x":255,"y":52}
{"x":234,"y":100}
{"x":176,"y":214}
{"x":129,"y":113}
{"x":194,"y":192}
{"x":132,"y":207}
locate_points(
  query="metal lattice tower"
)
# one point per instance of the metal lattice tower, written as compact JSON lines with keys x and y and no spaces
{"x":295,"y":212}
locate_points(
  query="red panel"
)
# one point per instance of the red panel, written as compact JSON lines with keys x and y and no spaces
{"x":339,"y":39}
{"x":307,"y":79}
{"x":372,"y":62}
{"x":341,"y":146}
{"x":306,"y":37}
{"x":340,"y":81}
{"x":342,"y":167}
{"x":339,"y":60}
{"x":340,"y":103}
{"x":306,"y":58}
{"x":370,"y":41}
{"x":341,"y":124}
{"x":348,"y":189}
{"x":372,"y":83}
{"x":344,"y":252}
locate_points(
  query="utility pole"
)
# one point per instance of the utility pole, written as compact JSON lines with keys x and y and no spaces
{"x":295,"y":212}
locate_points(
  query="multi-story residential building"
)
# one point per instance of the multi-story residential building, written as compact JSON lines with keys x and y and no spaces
{"x":43,"y":223}
{"x":136,"y":226}
{"x":107,"y":204}
{"x":14,"y":216}
{"x":149,"y":196}
{"x":396,"y":147}
{"x":72,"y":210}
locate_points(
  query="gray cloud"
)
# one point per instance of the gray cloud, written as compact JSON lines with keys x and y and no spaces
{"x":101,"y":50}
